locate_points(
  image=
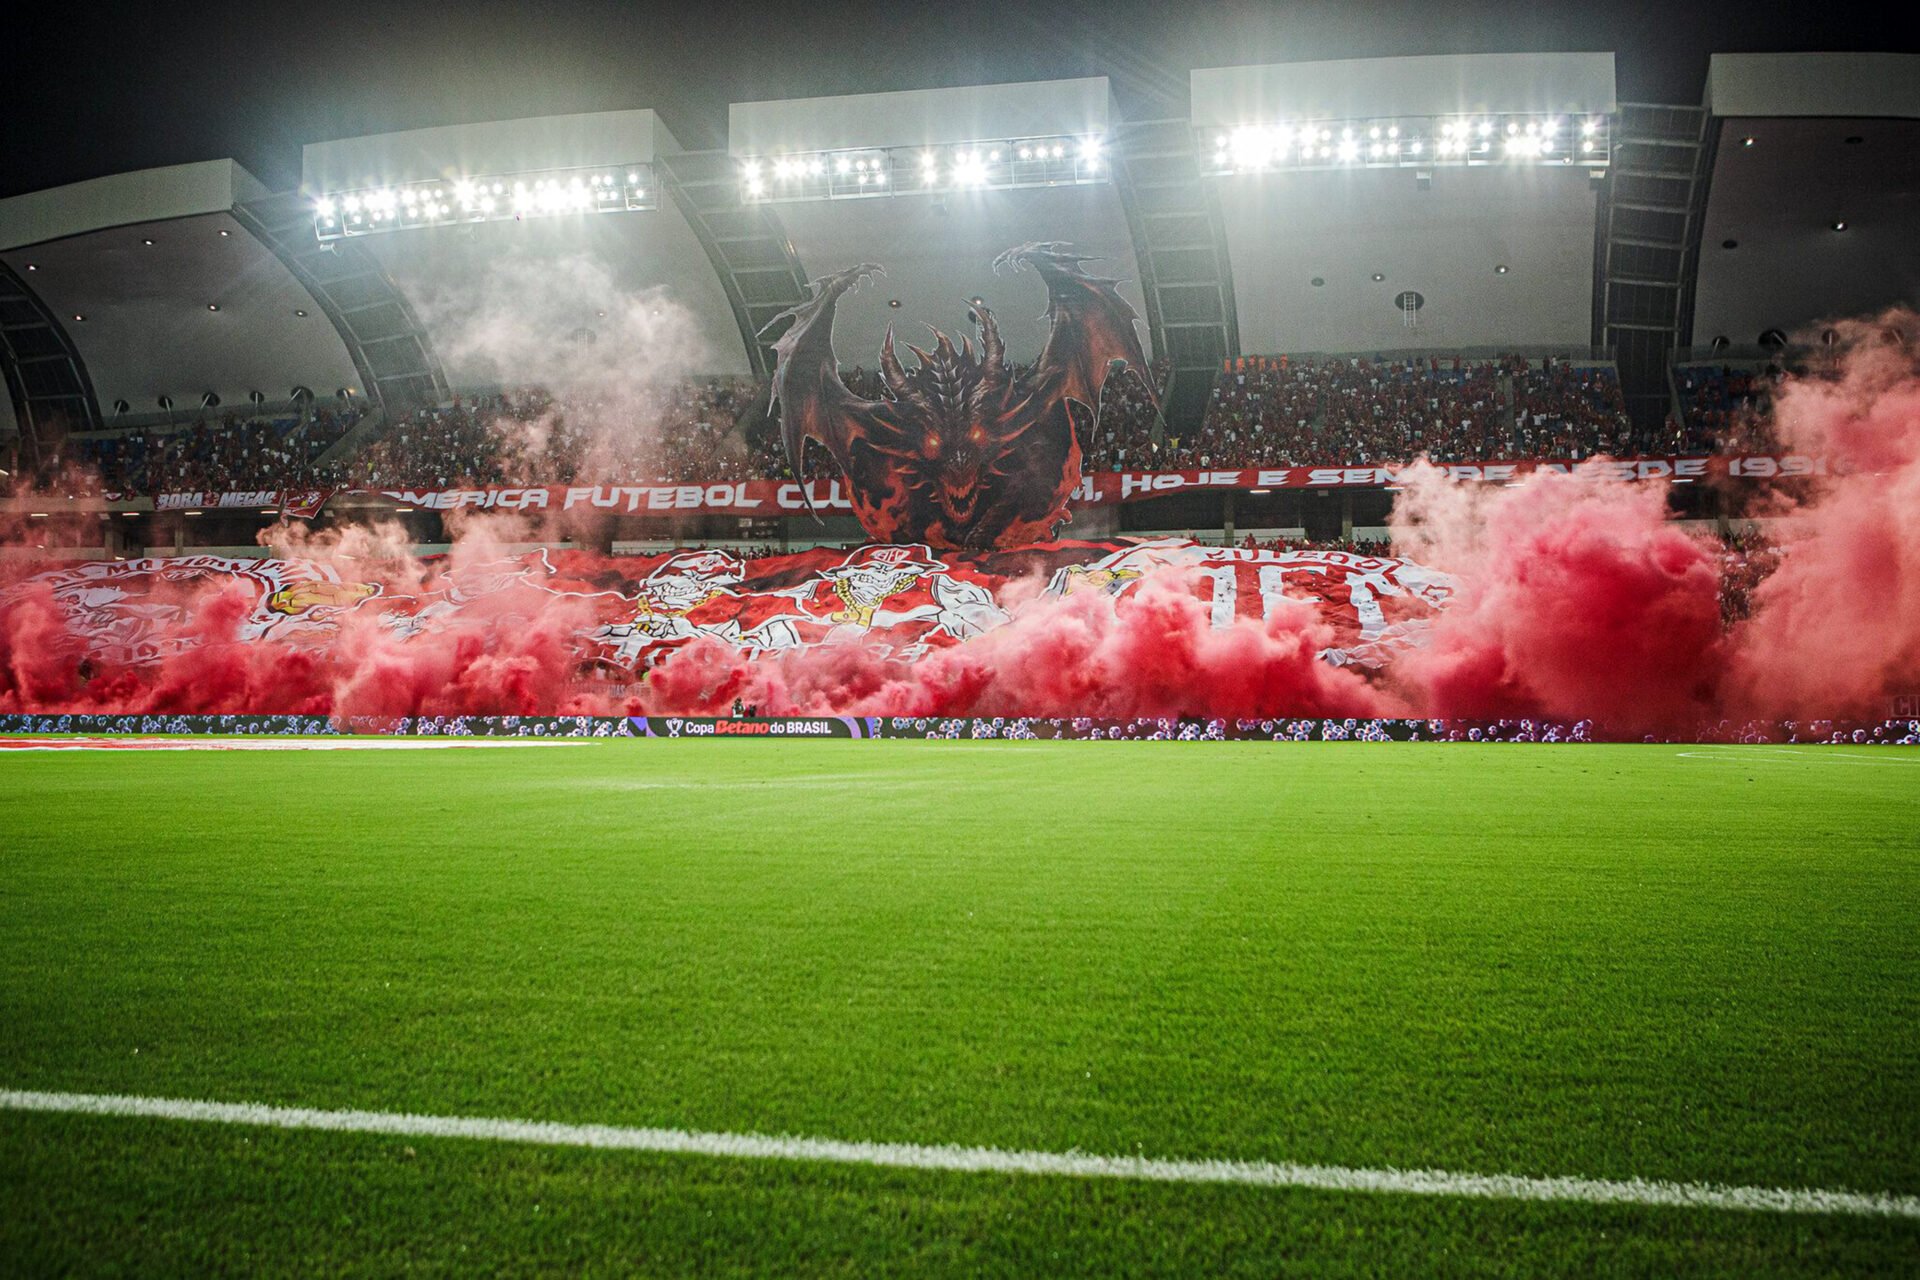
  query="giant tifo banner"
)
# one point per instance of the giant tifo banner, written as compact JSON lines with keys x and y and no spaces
{"x":628,"y":614}
{"x":1105,"y":488}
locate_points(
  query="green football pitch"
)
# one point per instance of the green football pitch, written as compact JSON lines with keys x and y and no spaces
{"x":1686,"y":965}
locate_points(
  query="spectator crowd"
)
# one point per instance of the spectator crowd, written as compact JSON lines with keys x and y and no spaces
{"x":230,"y":453}
{"x":1263,"y":411}
{"x":1723,"y":410}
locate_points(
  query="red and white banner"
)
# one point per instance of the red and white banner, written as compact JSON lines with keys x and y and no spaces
{"x":773,"y":498}
{"x":626,"y":615}
{"x":304,"y":502}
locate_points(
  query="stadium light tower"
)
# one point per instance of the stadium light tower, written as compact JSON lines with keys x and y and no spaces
{"x":499,"y":197}
{"x":1465,"y":111}
{"x":933,"y":141}
{"x":501,"y":171}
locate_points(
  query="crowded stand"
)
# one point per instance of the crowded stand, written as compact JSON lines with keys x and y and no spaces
{"x":530,"y":435}
{"x":1723,"y":410}
{"x":1126,"y":423}
{"x":1352,"y":410}
{"x":228,"y":454}
{"x":1571,"y":412}
{"x":1264,"y":411}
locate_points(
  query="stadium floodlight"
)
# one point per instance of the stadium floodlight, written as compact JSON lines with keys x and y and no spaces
{"x":1401,"y":142}
{"x":864,"y":172}
{"x":473,"y":198}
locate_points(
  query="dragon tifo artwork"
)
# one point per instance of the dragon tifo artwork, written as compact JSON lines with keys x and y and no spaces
{"x":626,"y":615}
{"x":966,"y":450}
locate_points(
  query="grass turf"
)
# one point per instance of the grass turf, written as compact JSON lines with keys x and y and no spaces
{"x":1600,"y":961}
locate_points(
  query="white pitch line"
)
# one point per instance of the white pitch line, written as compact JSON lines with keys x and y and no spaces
{"x":1070,"y":1164}
{"x":1765,"y":754}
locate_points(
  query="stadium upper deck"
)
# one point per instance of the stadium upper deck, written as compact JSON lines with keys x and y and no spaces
{"x":1478,"y":206}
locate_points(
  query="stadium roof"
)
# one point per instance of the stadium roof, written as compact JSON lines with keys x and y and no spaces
{"x":511,"y":302}
{"x":163,"y":293}
{"x":1814,"y":207}
{"x":1218,"y":262}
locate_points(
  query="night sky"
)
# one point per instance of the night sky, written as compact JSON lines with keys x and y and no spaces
{"x":97,"y":89}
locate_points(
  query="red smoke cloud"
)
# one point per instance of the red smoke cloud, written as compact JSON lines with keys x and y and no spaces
{"x":1577,"y":599}
{"x":1151,"y":652}
{"x":1836,"y":627}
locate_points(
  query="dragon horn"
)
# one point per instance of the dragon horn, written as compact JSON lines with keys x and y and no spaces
{"x":890,"y":369}
{"x":991,"y":347}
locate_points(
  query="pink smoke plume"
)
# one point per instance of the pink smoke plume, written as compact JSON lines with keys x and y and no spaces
{"x":1153,"y":652}
{"x":1577,"y":598}
{"x":1836,"y":628}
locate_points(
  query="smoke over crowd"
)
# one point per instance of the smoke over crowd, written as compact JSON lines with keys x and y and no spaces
{"x":1576,"y":597}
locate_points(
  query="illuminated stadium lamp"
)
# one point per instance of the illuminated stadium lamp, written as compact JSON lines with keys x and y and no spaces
{"x":467,"y":199}
{"x":857,"y":172}
{"x":1404,"y":141}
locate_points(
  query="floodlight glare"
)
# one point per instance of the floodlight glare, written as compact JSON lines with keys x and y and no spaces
{"x":467,"y":198}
